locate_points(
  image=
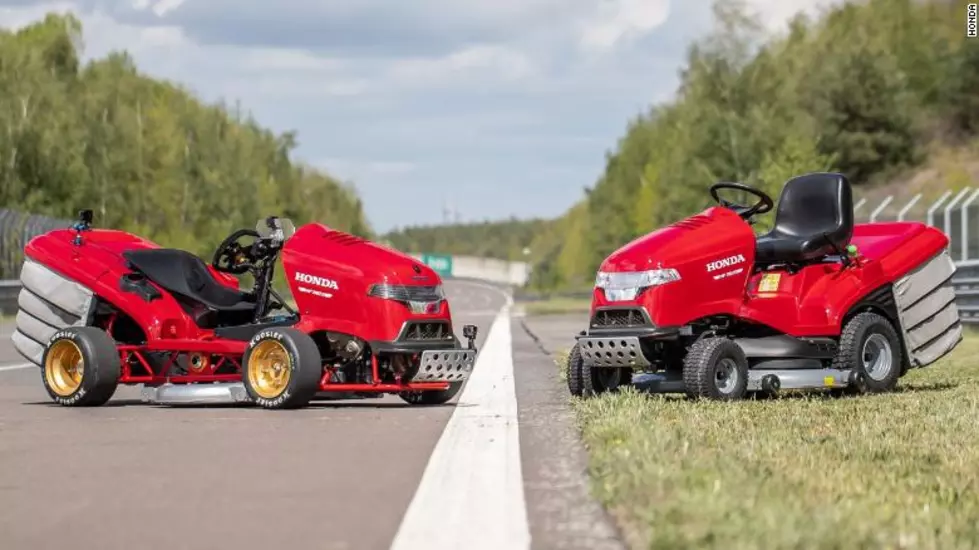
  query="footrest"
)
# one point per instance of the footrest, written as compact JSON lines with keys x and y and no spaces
{"x":453,"y":365}
{"x":620,"y":351}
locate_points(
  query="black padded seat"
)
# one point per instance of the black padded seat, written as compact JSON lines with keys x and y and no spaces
{"x":184,"y":274}
{"x":814,"y":218}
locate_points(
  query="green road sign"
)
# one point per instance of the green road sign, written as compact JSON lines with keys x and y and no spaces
{"x":441,"y":263}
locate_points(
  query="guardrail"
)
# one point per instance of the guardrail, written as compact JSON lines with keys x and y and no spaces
{"x":966,"y":285}
{"x":8,"y":297}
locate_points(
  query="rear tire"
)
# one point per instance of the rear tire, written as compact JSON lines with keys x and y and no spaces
{"x":282,"y":368}
{"x":584,"y":381}
{"x":80,"y":367}
{"x":716,"y":368}
{"x":870,"y":345}
{"x":436,"y":397}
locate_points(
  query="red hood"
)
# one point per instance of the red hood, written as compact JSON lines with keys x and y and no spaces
{"x":319,"y":250}
{"x":698,"y":238}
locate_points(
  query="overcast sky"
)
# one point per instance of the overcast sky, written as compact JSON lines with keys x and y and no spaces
{"x":498,"y":107}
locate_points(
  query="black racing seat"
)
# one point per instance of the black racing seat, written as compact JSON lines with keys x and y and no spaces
{"x":186,"y":276}
{"x":814,"y":219}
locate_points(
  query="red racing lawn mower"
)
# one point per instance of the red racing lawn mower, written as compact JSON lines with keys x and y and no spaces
{"x":705,"y":307}
{"x":102,"y":307}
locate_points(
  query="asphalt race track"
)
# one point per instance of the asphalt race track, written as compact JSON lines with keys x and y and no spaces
{"x":498,"y":468}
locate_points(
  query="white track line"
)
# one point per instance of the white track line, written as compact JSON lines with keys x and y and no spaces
{"x":4,"y":368}
{"x":471,"y":494}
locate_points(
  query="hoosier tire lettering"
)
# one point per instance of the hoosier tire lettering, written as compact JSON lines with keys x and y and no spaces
{"x":80,"y":367}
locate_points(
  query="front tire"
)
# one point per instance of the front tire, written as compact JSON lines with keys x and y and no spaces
{"x":80,"y":367}
{"x":870,"y":345}
{"x":585,"y":381}
{"x":716,"y":368}
{"x":282,"y":368}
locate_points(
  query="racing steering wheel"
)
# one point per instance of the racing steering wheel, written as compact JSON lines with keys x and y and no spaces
{"x":231,"y":257}
{"x":764,"y":204}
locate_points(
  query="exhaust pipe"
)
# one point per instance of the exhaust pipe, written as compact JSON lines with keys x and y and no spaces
{"x":228,"y":393}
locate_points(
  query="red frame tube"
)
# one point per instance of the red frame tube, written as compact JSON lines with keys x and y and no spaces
{"x":145,"y":374}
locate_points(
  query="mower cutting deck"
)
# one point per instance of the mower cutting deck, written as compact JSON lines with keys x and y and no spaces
{"x":705,"y":307}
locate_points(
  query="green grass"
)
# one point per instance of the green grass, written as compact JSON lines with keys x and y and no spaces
{"x":899,"y":470}
{"x":557,"y":306}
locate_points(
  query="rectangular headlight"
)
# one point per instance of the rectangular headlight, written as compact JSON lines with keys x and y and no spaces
{"x":407,"y":293}
{"x":419,"y":299}
{"x":621,"y":286}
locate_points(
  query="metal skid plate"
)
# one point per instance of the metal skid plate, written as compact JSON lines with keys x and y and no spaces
{"x":620,"y":351}
{"x":452,"y":365}
{"x":196,"y":394}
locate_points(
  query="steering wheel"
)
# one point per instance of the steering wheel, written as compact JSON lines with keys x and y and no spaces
{"x":764,"y":204}
{"x":231,"y":257}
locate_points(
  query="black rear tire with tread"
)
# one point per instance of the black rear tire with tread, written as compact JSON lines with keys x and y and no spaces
{"x":574,"y":372}
{"x":700,"y":369}
{"x":849,"y":355}
{"x":305,"y":362}
{"x":101,"y":371}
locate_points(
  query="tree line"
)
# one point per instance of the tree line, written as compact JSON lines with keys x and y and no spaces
{"x":506,"y":240}
{"x":866,"y":89}
{"x":145,"y":154}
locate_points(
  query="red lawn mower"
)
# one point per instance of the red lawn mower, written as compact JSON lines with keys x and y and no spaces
{"x":706,"y":308}
{"x":103,"y":307}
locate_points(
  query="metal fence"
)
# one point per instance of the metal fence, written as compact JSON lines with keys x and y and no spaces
{"x":955,"y":212}
{"x":16,"y":229}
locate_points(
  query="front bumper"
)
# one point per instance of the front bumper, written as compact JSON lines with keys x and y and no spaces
{"x":440,"y":355}
{"x":614,"y":352}
{"x":620,"y":348}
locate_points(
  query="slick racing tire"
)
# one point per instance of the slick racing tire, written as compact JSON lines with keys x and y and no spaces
{"x":435,"y":397}
{"x":584,"y":381}
{"x":282,"y":368}
{"x":80,"y":367}
{"x":869,"y":346}
{"x":716,"y":368}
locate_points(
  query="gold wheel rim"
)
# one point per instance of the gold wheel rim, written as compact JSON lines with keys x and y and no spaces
{"x":269,"y":369}
{"x":64,"y":367}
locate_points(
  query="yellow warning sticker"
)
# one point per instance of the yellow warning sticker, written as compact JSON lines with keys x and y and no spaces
{"x":828,"y":381}
{"x":769,"y":282}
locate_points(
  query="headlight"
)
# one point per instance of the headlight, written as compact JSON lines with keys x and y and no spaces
{"x":627,"y":285}
{"x":419,"y":299}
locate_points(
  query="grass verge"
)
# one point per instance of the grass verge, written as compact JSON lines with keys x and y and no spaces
{"x":557,"y":306}
{"x":899,"y":470}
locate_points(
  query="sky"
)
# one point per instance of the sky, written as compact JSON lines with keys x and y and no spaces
{"x":495,"y":108}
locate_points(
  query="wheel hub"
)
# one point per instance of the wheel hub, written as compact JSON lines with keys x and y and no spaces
{"x":726,"y":375}
{"x":64,"y":367}
{"x":269,"y":369}
{"x":877,"y":357}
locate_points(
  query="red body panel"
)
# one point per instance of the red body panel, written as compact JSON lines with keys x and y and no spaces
{"x":811,"y":302}
{"x":315,"y":254}
{"x":98,"y":264}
